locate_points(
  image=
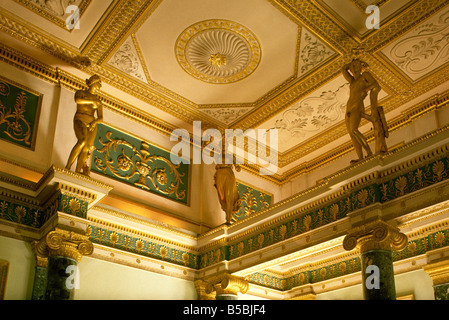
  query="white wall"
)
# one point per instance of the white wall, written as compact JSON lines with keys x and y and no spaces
{"x":102,"y":280}
{"x":19,"y":283}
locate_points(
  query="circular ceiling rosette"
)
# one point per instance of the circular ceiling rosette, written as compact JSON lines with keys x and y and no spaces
{"x":218,"y":51}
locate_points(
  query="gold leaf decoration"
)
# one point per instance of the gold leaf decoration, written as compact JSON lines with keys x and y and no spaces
{"x":400,"y":184}
{"x":154,"y":172}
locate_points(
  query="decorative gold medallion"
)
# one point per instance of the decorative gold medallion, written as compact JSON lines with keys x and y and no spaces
{"x":218,"y":51}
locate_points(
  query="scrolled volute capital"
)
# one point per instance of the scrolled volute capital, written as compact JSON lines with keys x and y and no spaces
{"x":377,"y":235}
{"x":63,"y":243}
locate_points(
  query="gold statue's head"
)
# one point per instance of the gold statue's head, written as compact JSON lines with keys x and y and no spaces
{"x":357,"y":65}
{"x":94,"y":81}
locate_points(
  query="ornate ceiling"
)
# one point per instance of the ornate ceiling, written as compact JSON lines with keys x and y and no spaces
{"x":247,"y":64}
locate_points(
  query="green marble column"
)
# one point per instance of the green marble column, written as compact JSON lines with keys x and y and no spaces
{"x":376,"y":240}
{"x":61,"y":278}
{"x":378,"y":275}
{"x":40,"y":283}
{"x":441,"y":291}
{"x":62,"y":250}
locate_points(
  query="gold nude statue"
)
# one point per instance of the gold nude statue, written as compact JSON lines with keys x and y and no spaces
{"x":85,"y":124}
{"x":377,"y":117}
{"x":360,"y":85}
{"x":226,"y":186}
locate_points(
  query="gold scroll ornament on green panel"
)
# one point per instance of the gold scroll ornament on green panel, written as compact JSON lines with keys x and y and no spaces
{"x":253,"y":201}
{"x":130,"y":160}
{"x":19,"y":113}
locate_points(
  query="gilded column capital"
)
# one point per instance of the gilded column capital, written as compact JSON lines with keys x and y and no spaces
{"x":200,"y":286}
{"x":377,"y":235}
{"x":41,"y":253}
{"x":227,"y":284}
{"x":63,"y":243}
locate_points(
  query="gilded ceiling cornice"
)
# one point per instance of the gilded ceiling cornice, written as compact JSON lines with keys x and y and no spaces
{"x":19,"y":29}
{"x":168,"y":101}
{"x":40,"y":10}
{"x":320,"y":22}
{"x":149,"y":94}
{"x":122,"y":18}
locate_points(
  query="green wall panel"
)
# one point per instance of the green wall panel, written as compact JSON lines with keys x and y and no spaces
{"x":130,"y":160}
{"x":19,"y":113}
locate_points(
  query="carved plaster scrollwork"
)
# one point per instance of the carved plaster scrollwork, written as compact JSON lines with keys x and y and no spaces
{"x":313,"y":51}
{"x":227,"y":115}
{"x":127,"y":60}
{"x":423,"y":49}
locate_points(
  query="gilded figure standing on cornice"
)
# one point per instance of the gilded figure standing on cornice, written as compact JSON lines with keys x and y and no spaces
{"x":377,"y":117}
{"x":85,"y":124}
{"x":362,"y":83}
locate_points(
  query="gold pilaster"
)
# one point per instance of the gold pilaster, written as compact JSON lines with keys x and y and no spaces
{"x":377,"y":235}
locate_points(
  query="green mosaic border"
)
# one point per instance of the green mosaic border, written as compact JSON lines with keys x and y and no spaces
{"x":24,"y":214}
{"x":36,"y":216}
{"x":146,"y":248}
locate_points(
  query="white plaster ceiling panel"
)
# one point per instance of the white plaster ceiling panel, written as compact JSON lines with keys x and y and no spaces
{"x":422,"y":50}
{"x":352,"y":13}
{"x":277,"y":42}
{"x":312,"y":115}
